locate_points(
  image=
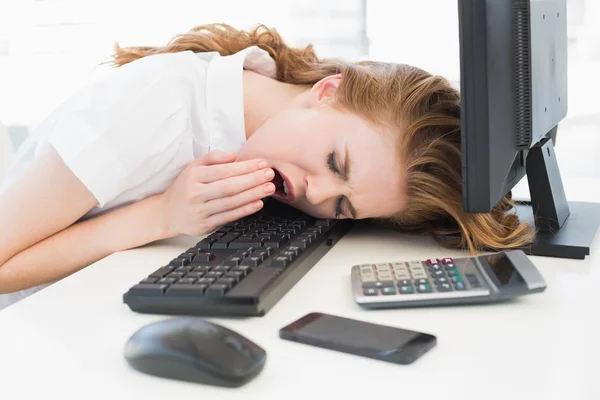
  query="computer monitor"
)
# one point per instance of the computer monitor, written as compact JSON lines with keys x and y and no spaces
{"x":513,"y":63}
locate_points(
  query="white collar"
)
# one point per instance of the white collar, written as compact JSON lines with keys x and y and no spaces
{"x":225,"y":95}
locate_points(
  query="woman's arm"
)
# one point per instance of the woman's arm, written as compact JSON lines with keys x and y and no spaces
{"x":36,"y":248}
{"x":40,"y":243}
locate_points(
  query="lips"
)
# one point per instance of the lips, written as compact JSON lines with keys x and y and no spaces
{"x":280,"y":194}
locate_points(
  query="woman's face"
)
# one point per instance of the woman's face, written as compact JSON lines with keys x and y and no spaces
{"x":334,"y":164}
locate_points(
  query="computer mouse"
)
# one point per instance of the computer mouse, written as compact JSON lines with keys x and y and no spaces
{"x":195,"y":350}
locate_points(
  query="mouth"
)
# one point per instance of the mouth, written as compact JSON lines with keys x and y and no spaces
{"x":283,"y":187}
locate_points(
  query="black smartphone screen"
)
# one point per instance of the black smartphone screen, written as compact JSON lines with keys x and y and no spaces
{"x":382,"y":342}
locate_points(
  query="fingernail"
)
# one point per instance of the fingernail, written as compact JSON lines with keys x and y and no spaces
{"x":270,"y":174}
{"x":269,"y":187}
{"x":262,"y":164}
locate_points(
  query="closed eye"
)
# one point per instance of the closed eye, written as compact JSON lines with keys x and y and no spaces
{"x":331,"y":163}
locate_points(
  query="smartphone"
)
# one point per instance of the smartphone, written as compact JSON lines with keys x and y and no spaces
{"x":386,"y":343}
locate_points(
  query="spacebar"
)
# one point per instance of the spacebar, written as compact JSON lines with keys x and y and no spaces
{"x":255,"y":283}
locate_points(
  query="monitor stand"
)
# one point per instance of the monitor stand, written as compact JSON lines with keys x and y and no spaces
{"x":565,"y":229}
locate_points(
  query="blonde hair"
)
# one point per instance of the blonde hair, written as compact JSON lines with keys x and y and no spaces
{"x":422,"y":108}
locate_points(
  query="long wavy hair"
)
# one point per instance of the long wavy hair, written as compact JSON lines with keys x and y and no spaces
{"x":423,"y":109}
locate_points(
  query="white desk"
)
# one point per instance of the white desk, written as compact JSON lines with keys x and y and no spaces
{"x":66,"y":342}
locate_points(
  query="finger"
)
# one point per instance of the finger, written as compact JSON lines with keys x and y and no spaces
{"x":249,"y":196}
{"x":234,"y":185}
{"x":215,"y":157}
{"x":219,"y":172}
{"x":220,"y":219}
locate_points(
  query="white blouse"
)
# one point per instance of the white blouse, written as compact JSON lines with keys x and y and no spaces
{"x":128,"y":135}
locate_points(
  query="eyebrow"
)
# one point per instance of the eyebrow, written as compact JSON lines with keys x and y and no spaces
{"x":347,"y":171}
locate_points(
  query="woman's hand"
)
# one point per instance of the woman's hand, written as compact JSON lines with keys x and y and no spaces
{"x":214,"y":190}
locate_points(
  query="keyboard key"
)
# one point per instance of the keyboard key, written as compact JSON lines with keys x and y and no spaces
{"x":149,"y":281}
{"x":223,"y":268}
{"x":252,"y":262}
{"x":203,"y":257}
{"x":233,"y":262}
{"x":242,"y":268}
{"x":229,"y":281}
{"x":279,"y":262}
{"x":217,"y":290}
{"x":180,"y":261}
{"x":223,"y":242}
{"x":423,"y":288}
{"x":186,"y":290}
{"x":202,"y":268}
{"x":205,"y":244}
{"x":216,"y":235}
{"x":276,"y":241}
{"x":195,"y":275}
{"x":237,"y":275}
{"x":444,"y":287}
{"x":175,"y":274}
{"x":324,"y":223}
{"x":184,"y":270}
{"x":256,"y":282}
{"x":388,"y":290}
{"x":371,"y":291}
{"x":148,"y":290}
{"x":242,"y":243}
{"x":207,"y":280}
{"x":168,"y":280}
{"x":300,"y":242}
{"x":407,"y":289}
{"x":214,"y":274}
{"x":185,"y":280}
{"x":294,"y":249}
{"x":159,"y":273}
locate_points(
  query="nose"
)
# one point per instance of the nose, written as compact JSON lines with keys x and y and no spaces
{"x":320,"y":189}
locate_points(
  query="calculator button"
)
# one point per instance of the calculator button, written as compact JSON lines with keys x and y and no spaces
{"x":444,"y":287}
{"x":437,"y":274}
{"x":432,"y":261}
{"x":421,"y":282}
{"x":400,"y":269}
{"x":404,"y":282}
{"x":368,"y":278}
{"x":456,"y":278}
{"x":370,"y":292}
{"x":386,"y":277}
{"x":415,"y":264}
{"x":401,"y":277}
{"x":453,"y":272}
{"x":448,"y":260}
{"x":388,"y":290}
{"x":441,"y":280}
{"x":365,"y":267}
{"x":450,"y":266}
{"x":420,"y":275}
{"x":435,"y":267}
{"x":382,"y":266}
{"x":424,"y":288}
{"x":399,"y":265}
{"x":386,"y":283}
{"x":460,"y":286}
{"x":407,"y":289}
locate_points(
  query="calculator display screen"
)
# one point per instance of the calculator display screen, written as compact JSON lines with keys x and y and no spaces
{"x":503,"y":270}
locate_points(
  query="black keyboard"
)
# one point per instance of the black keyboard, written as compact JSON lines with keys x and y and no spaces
{"x":243,"y":268}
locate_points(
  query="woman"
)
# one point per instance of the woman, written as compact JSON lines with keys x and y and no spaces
{"x":147,"y":153}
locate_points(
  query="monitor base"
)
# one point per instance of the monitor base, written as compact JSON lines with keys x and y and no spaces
{"x":573,"y":240}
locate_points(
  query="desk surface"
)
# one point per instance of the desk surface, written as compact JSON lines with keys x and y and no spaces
{"x":67,"y":341}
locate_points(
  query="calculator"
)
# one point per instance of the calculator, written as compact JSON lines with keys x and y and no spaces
{"x":446,"y":281}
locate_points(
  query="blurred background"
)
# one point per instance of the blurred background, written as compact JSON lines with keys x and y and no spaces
{"x":48,"y":48}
